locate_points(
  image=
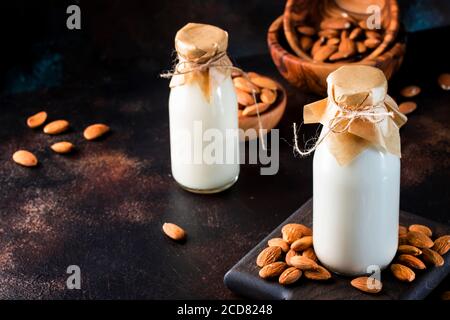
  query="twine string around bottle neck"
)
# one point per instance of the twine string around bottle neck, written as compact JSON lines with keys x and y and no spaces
{"x":344,"y":118}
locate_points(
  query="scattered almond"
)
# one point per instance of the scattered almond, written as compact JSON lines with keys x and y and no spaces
{"x":245,"y":85}
{"x":355,"y":33}
{"x":95,"y":131}
{"x":173,"y":231}
{"x":268,"y":256}
{"x":289,"y":255}
{"x":319,"y":273}
{"x":420,"y":240}
{"x":272,"y":270}
{"x":421,"y":228}
{"x":444,"y":81}
{"x":408,"y":249}
{"x":268,"y":96}
{"x":37,"y":119}
{"x":302,"y":243}
{"x":291,"y":232}
{"x":407,"y":107}
{"x":410,"y":91}
{"x":56,"y":127}
{"x":411,"y":261}
{"x":244,"y":98}
{"x":278,"y":242}
{"x":255,"y":108}
{"x":25,"y":158}
{"x":303,"y":263}
{"x":264,"y":82}
{"x":403,"y":239}
{"x":432,"y":257}
{"x":347,"y":46}
{"x":333,"y":41}
{"x":367,"y":284}
{"x":289,"y":276}
{"x":62,"y":147}
{"x":442,"y":245}
{"x":360,"y":47}
{"x":306,"y":43}
{"x":402,"y":272}
{"x":372,"y":42}
{"x":402,"y":230}
{"x":310,"y":253}
{"x":324,"y":52}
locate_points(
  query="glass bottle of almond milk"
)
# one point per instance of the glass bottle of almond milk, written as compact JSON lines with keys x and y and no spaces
{"x":356,"y":172}
{"x":204,"y":140}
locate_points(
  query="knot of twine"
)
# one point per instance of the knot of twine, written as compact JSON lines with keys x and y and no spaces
{"x":186,"y":67}
{"x":345,"y":116}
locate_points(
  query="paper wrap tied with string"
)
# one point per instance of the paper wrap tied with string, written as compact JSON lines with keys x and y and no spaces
{"x":202,"y":56}
{"x":357,"y":114}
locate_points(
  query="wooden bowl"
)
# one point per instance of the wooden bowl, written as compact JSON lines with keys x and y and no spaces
{"x":298,"y":12}
{"x":270,"y":118}
{"x":310,"y":75}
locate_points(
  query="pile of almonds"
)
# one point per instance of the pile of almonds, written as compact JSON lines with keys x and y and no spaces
{"x":255,"y":93}
{"x":338,"y":39}
{"x":290,"y":257}
{"x":28,"y":159}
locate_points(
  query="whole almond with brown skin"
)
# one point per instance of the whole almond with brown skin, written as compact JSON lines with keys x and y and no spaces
{"x":37,"y":119}
{"x":264,"y":82}
{"x":432,"y":257}
{"x":402,"y":230}
{"x":302,"y":243}
{"x":442,"y":245}
{"x":402,"y":272}
{"x":410,"y":91}
{"x":372,"y":42}
{"x":403,"y":239}
{"x":444,"y":81}
{"x":337,"y":56}
{"x":306,"y":30}
{"x":268,"y":96}
{"x":347,"y":46}
{"x":420,"y":240}
{"x":360,"y":47}
{"x":372,"y":34}
{"x":335,"y":23}
{"x":278,"y":242}
{"x":25,"y":158}
{"x":173,"y":231}
{"x":272,"y":270}
{"x":355,"y":33}
{"x":289,"y":255}
{"x":291,"y":232}
{"x":306,"y":43}
{"x":328,"y":33}
{"x":245,"y":85}
{"x":333,"y":41}
{"x":324,"y":52}
{"x":95,"y":131}
{"x":317,"y":45}
{"x":62,"y":147}
{"x":319,"y":273}
{"x":421,"y":228}
{"x":303,"y":263}
{"x":407,"y":107}
{"x":411,"y":261}
{"x":367,"y":284}
{"x":255,"y":108}
{"x":244,"y":98}
{"x":310,"y":253}
{"x":56,"y":127}
{"x":408,"y":249}
{"x":268,"y":256}
{"x":289,"y":276}
{"x":306,"y":231}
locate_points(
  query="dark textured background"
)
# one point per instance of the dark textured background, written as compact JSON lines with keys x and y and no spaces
{"x":102,"y":207}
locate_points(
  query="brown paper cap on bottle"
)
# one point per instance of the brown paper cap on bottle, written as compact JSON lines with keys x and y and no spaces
{"x":197,"y":42}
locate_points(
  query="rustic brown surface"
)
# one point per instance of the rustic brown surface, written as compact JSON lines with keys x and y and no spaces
{"x":103,"y":206}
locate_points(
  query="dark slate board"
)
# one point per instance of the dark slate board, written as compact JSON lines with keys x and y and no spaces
{"x":243,"y":277}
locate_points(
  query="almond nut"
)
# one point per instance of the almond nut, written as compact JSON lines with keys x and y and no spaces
{"x":324,"y":52}
{"x":306,"y":30}
{"x":402,"y":272}
{"x":407,"y":249}
{"x":328,"y":33}
{"x":289,"y":255}
{"x":335,"y":23}
{"x":444,"y":81}
{"x":407,"y":107}
{"x":319,"y":273}
{"x":255,"y":109}
{"x":367,"y":284}
{"x":272,"y":270}
{"x":410,"y":91}
{"x":402,"y":230}
{"x":347,"y":46}
{"x":442,"y":245}
{"x":355,"y":33}
{"x":360,"y":47}
{"x":303,"y":263}
{"x":173,"y":231}
{"x":420,"y":240}
{"x":291,"y":232}
{"x":302,"y":243}
{"x":289,"y":276}
{"x":421,"y":228}
{"x":403,"y":239}
{"x":310,"y":253}
{"x":268,"y":96}
{"x":37,"y":120}
{"x":25,"y":158}
{"x":95,"y":131}
{"x":268,"y":256}
{"x":372,"y":42}
{"x":411,"y":261}
{"x":306,"y":43}
{"x":264,"y":82}
{"x":278,"y":242}
{"x":62,"y":147}
{"x":244,"y":98}
{"x":56,"y":127}
{"x":245,"y":85}
{"x":432,"y":257}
